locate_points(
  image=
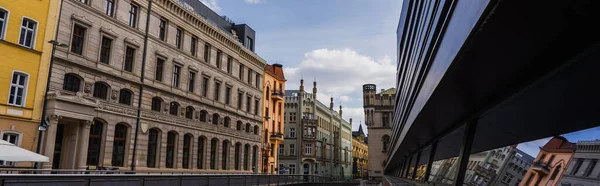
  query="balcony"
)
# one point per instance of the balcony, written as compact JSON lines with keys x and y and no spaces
{"x":487,"y":173}
{"x":277,"y":95}
{"x":541,"y":167}
{"x":276,"y":136}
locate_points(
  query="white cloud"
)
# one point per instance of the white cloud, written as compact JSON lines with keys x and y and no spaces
{"x":254,"y":1}
{"x":532,"y":147}
{"x":212,"y":4}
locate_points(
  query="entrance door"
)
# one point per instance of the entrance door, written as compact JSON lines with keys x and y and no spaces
{"x":306,"y":171}
{"x":58,"y":146}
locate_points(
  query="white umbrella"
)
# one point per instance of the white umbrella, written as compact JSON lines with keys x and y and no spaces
{"x":10,"y":152}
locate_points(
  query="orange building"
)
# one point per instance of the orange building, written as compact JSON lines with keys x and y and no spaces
{"x":273,"y":125}
{"x":550,"y":164}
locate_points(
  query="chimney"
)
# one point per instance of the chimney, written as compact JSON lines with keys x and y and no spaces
{"x":331,"y":104}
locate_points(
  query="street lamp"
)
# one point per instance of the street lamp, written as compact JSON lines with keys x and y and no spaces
{"x":44,"y":124}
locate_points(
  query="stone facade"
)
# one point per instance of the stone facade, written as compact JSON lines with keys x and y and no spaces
{"x":584,"y":169}
{"x":379,"y":111}
{"x":200,"y":100}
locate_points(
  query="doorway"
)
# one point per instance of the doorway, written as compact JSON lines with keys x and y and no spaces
{"x":58,"y":146}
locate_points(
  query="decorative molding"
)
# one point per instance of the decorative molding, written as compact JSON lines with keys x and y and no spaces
{"x":179,"y":61}
{"x":218,"y":79}
{"x":109,"y":31}
{"x":114,"y":94}
{"x":161,"y":53}
{"x":132,"y":42}
{"x":87,"y":88}
{"x":204,"y":73}
{"x":82,"y":19}
{"x":87,"y":124}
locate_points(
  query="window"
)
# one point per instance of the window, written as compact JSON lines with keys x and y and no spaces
{"x":191,"y":78}
{"x":125,"y":97}
{"x":173,"y":108}
{"x":249,"y":43}
{"x":3,"y":21}
{"x":156,"y":104}
{"x":577,"y":166}
{"x":78,"y":39}
{"x":205,"y":86}
{"x":94,"y":143}
{"x":176,"y":74}
{"x":200,"y":156}
{"x":254,"y":156}
{"x":249,"y":76}
{"x":229,"y":64}
{"x":18,"y":89}
{"x":256,"y":129}
{"x":308,"y":149}
{"x":213,"y":153}
{"x":217,"y":91}
{"x":549,"y":161}
{"x":292,"y":132}
{"x":133,"y":14}
{"x":247,"y":127}
{"x":386,"y":141}
{"x":28,"y":32}
{"x":248,"y":103}
{"x":203,"y":116}
{"x":590,"y":168}
{"x":162,"y":29}
{"x":189,"y":112}
{"x":105,"y":50}
{"x":120,"y":138}
{"x":171,"y":140}
{"x":281,"y":149}
{"x":160,"y":62}
{"x":187,"y":145}
{"x":385,"y":119}
{"x":100,"y":90}
{"x":11,"y":138}
{"x":218,"y":62}
{"x":241,"y":72}
{"x":292,"y":149}
{"x":555,"y":172}
{"x":246,"y":156}
{"x":226,"y":122}
{"x":207,"y":53}
{"x":237,"y":156}
{"x":71,"y":83}
{"x":292,"y":168}
{"x":227,"y":95}
{"x":129,"y":57}
{"x":225,"y":156}
{"x":240,"y":97}
{"x":507,"y":178}
{"x":179,"y":38}
{"x":109,"y":7}
{"x":257,"y":80}
{"x":256,"y":108}
{"x":215,"y":119}
{"x":153,"y":137}
{"x":194,"y":45}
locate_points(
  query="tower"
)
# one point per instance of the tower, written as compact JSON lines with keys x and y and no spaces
{"x":301,"y":87}
{"x":315,"y":90}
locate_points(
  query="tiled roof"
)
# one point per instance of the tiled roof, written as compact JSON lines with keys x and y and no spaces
{"x":276,"y":70}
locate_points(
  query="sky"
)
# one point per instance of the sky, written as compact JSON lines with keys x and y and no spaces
{"x":532,"y":147}
{"x":342,"y":44}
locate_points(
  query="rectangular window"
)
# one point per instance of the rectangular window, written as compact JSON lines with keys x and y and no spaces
{"x":160,"y":62}
{"x":3,"y":17}
{"x":18,"y":89}
{"x":109,"y":7}
{"x":11,"y":138}
{"x":176,"y":74}
{"x":292,"y":149}
{"x":228,"y":95}
{"x":281,"y":149}
{"x":218,"y":62}
{"x":577,"y":166}
{"x":248,"y":103}
{"x":133,"y":15}
{"x":191,"y":79}
{"x":257,"y":80}
{"x":241,"y":72}
{"x":179,"y":38}
{"x":77,"y":40}
{"x":249,"y":43}
{"x":229,"y":64}
{"x":256,"y":108}
{"x":292,"y":168}
{"x":590,"y":168}
{"x":204,"y":86}
{"x":308,"y":149}
{"x":217,"y":90}
{"x":240,"y":97}
{"x":193,"y":46}
{"x":292,"y":132}
{"x":249,"y":76}
{"x":162,"y":33}
{"x":129,"y":58}
{"x":207,"y":53}
{"x":105,"y":50}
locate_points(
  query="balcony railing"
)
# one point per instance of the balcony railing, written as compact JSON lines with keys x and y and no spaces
{"x":277,"y":94}
{"x":277,"y":136}
{"x":541,"y":167}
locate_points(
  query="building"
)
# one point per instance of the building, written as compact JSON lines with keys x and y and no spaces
{"x":512,"y":171}
{"x":315,"y":142}
{"x":273,"y":125}
{"x":551,"y":163}
{"x":26,"y":27}
{"x":584,"y":168}
{"x":360,"y":153}
{"x":379,"y":109}
{"x":179,"y":93}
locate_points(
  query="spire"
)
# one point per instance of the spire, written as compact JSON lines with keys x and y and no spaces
{"x":315,"y":89}
{"x":360,"y":130}
{"x":331,"y":104}
{"x":340,"y":110}
{"x":301,"y":85}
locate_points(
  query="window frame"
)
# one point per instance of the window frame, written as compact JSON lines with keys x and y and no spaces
{"x":155,"y":150}
{"x":158,"y":75}
{"x":207,"y":51}
{"x":176,"y":75}
{"x":33,"y":32}
{"x":125,"y":57}
{"x":219,"y":59}
{"x":194,"y":45}
{"x":83,"y":38}
{"x":18,"y":140}
{"x":110,"y":12}
{"x":24,"y":87}
{"x":108,"y":56}
{"x":125,"y":146}
{"x":130,"y":101}
{"x":74,"y":76}
{"x":228,"y":95}
{"x":4,"y":23}
{"x":133,"y":23}
{"x":159,"y":104}
{"x":179,"y":35}
{"x":217,"y":92}
{"x":191,"y":80}
{"x":163,"y":29}
{"x":107,"y":90}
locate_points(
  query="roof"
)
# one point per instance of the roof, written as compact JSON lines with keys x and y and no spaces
{"x":559,"y":144}
{"x":389,"y":91}
{"x":275,"y":70}
{"x":359,"y":132}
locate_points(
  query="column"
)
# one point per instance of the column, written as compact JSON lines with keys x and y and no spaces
{"x":414,"y":173}
{"x":465,"y":152}
{"x":50,"y":140}
{"x":82,"y":145}
{"x":430,"y":162}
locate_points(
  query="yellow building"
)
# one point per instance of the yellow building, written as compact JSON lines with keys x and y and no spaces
{"x":360,"y":154}
{"x":273,"y":101}
{"x":26,"y":26}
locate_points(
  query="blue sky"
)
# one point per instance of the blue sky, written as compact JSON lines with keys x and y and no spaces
{"x":532,"y":147}
{"x":343,"y":44}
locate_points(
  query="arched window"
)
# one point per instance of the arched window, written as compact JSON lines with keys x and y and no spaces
{"x":94,"y":143}
{"x":120,"y":139}
{"x":386,"y":141}
{"x":173,"y":108}
{"x":215,"y":119}
{"x":171,"y":149}
{"x":254,"y":156}
{"x":71,"y":83}
{"x":153,"y":146}
{"x":256,"y":129}
{"x":189,"y":112}
{"x":156,"y":104}
{"x":237,"y":156}
{"x":213,"y":153}
{"x":556,"y":170}
{"x":187,"y":146}
{"x":238,"y":126}
{"x":203,"y":116}
{"x":125,"y":96}
{"x":225,"y":157}
{"x":267,"y":93}
{"x":226,"y":122}
{"x":200,"y":157}
{"x":100,"y":90}
{"x":248,"y":127}
{"x":246,"y":156}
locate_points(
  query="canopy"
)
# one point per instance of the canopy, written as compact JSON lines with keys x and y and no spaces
{"x":10,"y":152}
